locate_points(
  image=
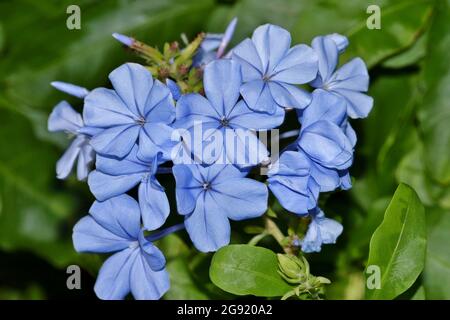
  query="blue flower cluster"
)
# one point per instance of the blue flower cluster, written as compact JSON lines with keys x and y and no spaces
{"x":143,"y":127}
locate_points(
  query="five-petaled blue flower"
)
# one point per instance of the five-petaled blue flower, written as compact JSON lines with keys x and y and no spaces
{"x":137,"y":266}
{"x":209,"y":196}
{"x":114,"y":177}
{"x":138,"y":108}
{"x":65,"y":118}
{"x":271,"y":70}
{"x":224,"y":122}
{"x":349,"y":81}
{"x":321,"y":230}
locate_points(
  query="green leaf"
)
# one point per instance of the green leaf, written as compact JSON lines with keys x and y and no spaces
{"x":436,"y":276}
{"x":420,"y":294}
{"x":244,"y":269}
{"x":182,"y":285}
{"x":401,"y":23}
{"x":409,"y":57}
{"x":434,"y":115}
{"x":398,"y":245}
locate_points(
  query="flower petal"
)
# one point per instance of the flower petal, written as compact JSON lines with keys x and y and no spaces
{"x":188,"y":188}
{"x":328,"y":54}
{"x":246,"y":55}
{"x":208,"y":225}
{"x":359,"y":104}
{"x":258,"y":97}
{"x":194,"y":107}
{"x":89,"y":236}
{"x":241,"y":198}
{"x":65,"y":163}
{"x":85,"y":159}
{"x":243,"y":117}
{"x":145,"y":283}
{"x":289,"y":96}
{"x":64,"y":118}
{"x":116,"y":141}
{"x":324,"y":106}
{"x":126,"y":166}
{"x":222,"y":80}
{"x":113,"y":280}
{"x":159,"y":106}
{"x":326,"y":144}
{"x":156,"y":138}
{"x":297,"y":67}
{"x":104,"y":186}
{"x":133,"y":83}
{"x":120,"y":215}
{"x":271,"y":42}
{"x":351,"y":76}
{"x":104,"y":108}
{"x":154,"y":205}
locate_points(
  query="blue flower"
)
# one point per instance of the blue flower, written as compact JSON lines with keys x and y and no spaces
{"x":209,"y":196}
{"x":291,"y":182}
{"x":114,"y":177}
{"x":71,"y":89}
{"x":321,"y":230}
{"x":326,"y":106}
{"x":214,"y":45}
{"x":65,"y":118}
{"x":349,"y":81}
{"x":138,"y":108}
{"x":271,"y":70}
{"x":224,"y":122}
{"x":137,"y":266}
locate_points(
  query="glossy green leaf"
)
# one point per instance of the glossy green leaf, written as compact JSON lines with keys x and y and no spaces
{"x":398,"y":245}
{"x":435,"y":109}
{"x":247,"y":270}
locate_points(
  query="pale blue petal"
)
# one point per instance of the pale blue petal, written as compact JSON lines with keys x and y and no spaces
{"x":104,"y":108}
{"x":297,"y":67}
{"x":195,"y":107}
{"x":325,"y":106}
{"x":359,"y":104}
{"x":289,"y":96}
{"x":90,"y":236}
{"x":326,"y":144}
{"x":104,"y":186}
{"x":116,"y":141}
{"x":145,"y":283}
{"x":64,"y":118}
{"x":340,"y":41}
{"x":154,"y":205}
{"x":174,"y":89}
{"x":258,"y":97}
{"x":241,"y":198}
{"x":271,"y":42}
{"x":328,"y":54}
{"x":120,"y":215}
{"x":243,"y":117}
{"x":133,"y":83}
{"x":66,"y":162}
{"x":126,"y":166}
{"x":222,"y":80}
{"x":71,"y":89}
{"x":246,"y":55}
{"x":113,"y":280}
{"x":85,"y":159}
{"x":243,"y":148}
{"x":159,"y":106}
{"x":155,"y":138}
{"x":208,"y":225}
{"x":188,"y":188}
{"x":151,"y":254}
{"x":351,"y":76}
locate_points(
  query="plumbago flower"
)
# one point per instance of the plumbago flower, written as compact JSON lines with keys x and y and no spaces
{"x":271,"y":70}
{"x":137,"y":266}
{"x":114,"y":177}
{"x":65,"y":118}
{"x":138,"y":108}
{"x":209,"y":196}
{"x":224,"y":121}
{"x":349,"y":81}
{"x":206,"y":105}
{"x":321,"y":230}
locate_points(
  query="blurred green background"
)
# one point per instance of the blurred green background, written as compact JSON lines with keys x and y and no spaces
{"x":406,"y":138}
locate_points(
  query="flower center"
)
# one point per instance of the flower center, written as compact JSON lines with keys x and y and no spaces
{"x":141,"y":121}
{"x":224,"y":122}
{"x":206,"y":186}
